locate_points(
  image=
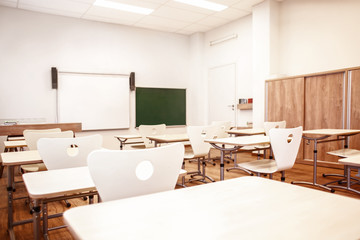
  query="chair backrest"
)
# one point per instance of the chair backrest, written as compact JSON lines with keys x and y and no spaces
{"x":285,"y":143}
{"x":270,"y":125}
{"x":151,"y":130}
{"x":32,"y":137}
{"x":197,"y":134}
{"x":58,"y":153}
{"x":223,"y":127}
{"x":127,"y":173}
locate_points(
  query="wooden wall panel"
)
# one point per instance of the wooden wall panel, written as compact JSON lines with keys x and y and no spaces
{"x":355,"y":107}
{"x":324,"y":108}
{"x":285,"y":101}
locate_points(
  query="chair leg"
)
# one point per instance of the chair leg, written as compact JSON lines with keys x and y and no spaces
{"x":237,"y":167}
{"x":1,"y":170}
{"x":283,"y":176}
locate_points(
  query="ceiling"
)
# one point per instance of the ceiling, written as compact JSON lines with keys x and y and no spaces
{"x":168,"y":15}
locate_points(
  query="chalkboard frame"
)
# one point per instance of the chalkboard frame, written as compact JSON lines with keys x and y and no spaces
{"x":160,"y":105}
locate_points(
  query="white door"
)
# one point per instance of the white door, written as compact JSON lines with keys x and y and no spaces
{"x":222,"y":94}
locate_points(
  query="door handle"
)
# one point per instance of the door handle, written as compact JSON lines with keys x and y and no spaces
{"x":232,"y":106}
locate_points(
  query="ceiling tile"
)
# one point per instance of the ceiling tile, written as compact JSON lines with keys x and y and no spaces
{"x":161,"y":22}
{"x":189,"y":7}
{"x":185,"y":32}
{"x":226,"y":2}
{"x":108,"y":20}
{"x":231,"y":14}
{"x":196,"y":28}
{"x":8,"y":3}
{"x":63,"y":7}
{"x":212,"y":21}
{"x":108,"y":13}
{"x":246,"y":4}
{"x":139,"y":3}
{"x":178,"y":14}
{"x":168,"y":15}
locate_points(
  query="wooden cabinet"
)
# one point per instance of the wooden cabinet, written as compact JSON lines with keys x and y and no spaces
{"x":324,"y":108}
{"x":320,"y":100}
{"x":354,"y":106}
{"x":286,"y":102}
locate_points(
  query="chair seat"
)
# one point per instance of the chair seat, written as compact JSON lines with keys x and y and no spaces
{"x":260,"y":166}
{"x":345,"y":152}
{"x":189,"y":154}
{"x":33,"y":167}
{"x":182,"y":173}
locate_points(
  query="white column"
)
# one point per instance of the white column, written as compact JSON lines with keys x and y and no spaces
{"x":265,"y":53}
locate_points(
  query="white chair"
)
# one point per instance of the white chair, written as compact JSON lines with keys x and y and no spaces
{"x":258,"y":148}
{"x":285,"y":144}
{"x":28,"y":133}
{"x":59,"y":153}
{"x":127,"y":173}
{"x":151,"y":130}
{"x":223,"y":127}
{"x":32,"y":137}
{"x":200,"y":149}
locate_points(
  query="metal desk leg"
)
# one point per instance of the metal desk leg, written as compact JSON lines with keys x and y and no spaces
{"x":36,"y":219}
{"x":10,"y":180}
{"x":314,"y":183}
{"x":45,"y":220}
{"x":222,"y":153}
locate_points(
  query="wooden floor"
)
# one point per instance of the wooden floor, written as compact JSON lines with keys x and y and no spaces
{"x":299,"y":172}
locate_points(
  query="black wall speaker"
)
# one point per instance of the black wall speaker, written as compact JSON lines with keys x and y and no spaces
{"x":54,"y":78}
{"x":132,"y":81}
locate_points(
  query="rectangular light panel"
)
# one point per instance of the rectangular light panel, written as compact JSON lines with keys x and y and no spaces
{"x":204,"y":4}
{"x":123,"y":7}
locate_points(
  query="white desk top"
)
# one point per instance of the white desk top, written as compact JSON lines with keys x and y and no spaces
{"x":246,"y":132}
{"x":331,"y":132}
{"x":19,"y":158}
{"x":53,"y":183}
{"x":241,"y":141}
{"x":12,"y":144}
{"x":16,"y":138}
{"x":129,"y":136}
{"x":168,"y":138}
{"x":241,"y":208}
{"x":352,"y":161}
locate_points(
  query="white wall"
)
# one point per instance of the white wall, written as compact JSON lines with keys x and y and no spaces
{"x":238,"y":51}
{"x":31,"y":43}
{"x":318,"y":35}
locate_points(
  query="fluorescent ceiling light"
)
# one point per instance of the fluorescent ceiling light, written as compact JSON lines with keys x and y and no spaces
{"x":123,"y":7}
{"x":204,"y":4}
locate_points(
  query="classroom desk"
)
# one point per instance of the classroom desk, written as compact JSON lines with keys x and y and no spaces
{"x":11,"y":145}
{"x":11,"y":160}
{"x":54,"y":185}
{"x":235,"y":143}
{"x":123,"y":139}
{"x":349,"y":163}
{"x":246,"y":132}
{"x":318,"y":136}
{"x":18,"y":129}
{"x":240,"y":208}
{"x":169,"y":138}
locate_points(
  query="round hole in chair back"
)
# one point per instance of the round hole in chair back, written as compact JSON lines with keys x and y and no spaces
{"x":73,"y":150}
{"x":144,"y":170}
{"x":290,"y":138}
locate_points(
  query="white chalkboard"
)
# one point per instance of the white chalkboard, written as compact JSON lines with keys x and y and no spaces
{"x":98,"y":101}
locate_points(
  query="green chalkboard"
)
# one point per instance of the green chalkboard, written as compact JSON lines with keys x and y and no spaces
{"x":160,"y":105}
